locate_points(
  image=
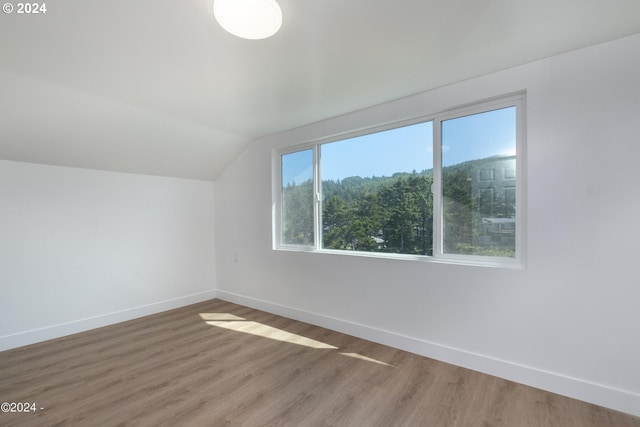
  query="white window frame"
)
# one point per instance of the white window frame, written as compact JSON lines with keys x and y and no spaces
{"x":277,"y":200}
{"x":517,"y":100}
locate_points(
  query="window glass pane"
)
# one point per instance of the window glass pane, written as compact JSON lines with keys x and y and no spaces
{"x":297,"y":198}
{"x":478,"y":184}
{"x":376,"y":192}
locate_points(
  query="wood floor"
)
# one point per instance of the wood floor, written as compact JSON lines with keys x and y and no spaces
{"x":221,"y":364}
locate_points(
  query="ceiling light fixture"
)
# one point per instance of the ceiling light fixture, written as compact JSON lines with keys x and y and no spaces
{"x":248,"y":19}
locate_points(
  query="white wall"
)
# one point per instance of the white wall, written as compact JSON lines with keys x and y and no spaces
{"x":82,"y":248}
{"x":568,"y":323}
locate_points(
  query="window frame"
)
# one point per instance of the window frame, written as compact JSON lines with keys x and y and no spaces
{"x":517,"y":100}
{"x":277,"y":203}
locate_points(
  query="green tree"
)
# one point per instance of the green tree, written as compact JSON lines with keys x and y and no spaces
{"x":336,"y":217}
{"x":408,"y":208}
{"x":457,"y":209}
{"x":297,"y":214}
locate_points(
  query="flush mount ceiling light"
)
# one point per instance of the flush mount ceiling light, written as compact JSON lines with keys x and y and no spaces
{"x":248,"y":19}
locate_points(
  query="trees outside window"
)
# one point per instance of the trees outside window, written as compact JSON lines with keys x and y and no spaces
{"x":447,"y":187}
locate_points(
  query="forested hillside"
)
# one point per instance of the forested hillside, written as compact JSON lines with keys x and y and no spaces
{"x":388,"y":214}
{"x":395,"y":214}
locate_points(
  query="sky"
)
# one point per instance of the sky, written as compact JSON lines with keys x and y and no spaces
{"x":408,"y":148}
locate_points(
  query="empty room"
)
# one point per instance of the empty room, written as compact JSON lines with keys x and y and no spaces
{"x":320,"y":213}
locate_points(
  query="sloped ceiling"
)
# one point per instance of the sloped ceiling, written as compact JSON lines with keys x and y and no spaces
{"x":157,"y":87}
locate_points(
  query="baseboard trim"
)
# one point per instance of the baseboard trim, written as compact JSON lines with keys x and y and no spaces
{"x":56,"y":331}
{"x":598,"y":394}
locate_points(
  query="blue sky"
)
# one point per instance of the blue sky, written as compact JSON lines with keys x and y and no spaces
{"x":408,"y":148}
{"x":297,"y":167}
{"x":479,"y":136}
{"x":380,"y":154}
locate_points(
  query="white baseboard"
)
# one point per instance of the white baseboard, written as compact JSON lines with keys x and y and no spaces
{"x":599,"y":394}
{"x":56,"y":331}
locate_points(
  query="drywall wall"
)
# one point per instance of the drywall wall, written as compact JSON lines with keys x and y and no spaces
{"x":568,"y":322}
{"x":82,"y":248}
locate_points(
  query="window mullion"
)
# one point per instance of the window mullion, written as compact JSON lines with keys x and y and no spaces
{"x":317,"y":199}
{"x":437,"y":187}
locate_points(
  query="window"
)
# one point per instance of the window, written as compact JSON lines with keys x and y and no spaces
{"x":478,"y":215}
{"x":376,"y":192}
{"x":445,"y":187}
{"x":297,"y":198}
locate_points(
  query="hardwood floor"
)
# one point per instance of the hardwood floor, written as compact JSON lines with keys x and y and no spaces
{"x":221,"y":364}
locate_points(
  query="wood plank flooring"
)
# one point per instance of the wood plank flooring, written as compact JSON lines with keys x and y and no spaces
{"x":221,"y":364}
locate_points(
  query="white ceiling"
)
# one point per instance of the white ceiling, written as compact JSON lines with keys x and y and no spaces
{"x":157,"y":87}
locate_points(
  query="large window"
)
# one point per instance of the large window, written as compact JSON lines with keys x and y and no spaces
{"x":446,"y":187}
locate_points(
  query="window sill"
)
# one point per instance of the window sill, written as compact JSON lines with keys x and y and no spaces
{"x":504,"y":263}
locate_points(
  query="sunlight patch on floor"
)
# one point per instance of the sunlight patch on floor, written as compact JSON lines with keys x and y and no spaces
{"x":365,"y":358}
{"x":239,"y":324}
{"x":261,"y":330}
{"x":220,"y":316}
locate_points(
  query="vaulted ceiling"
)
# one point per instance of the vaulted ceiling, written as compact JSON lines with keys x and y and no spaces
{"x":157,"y":87}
